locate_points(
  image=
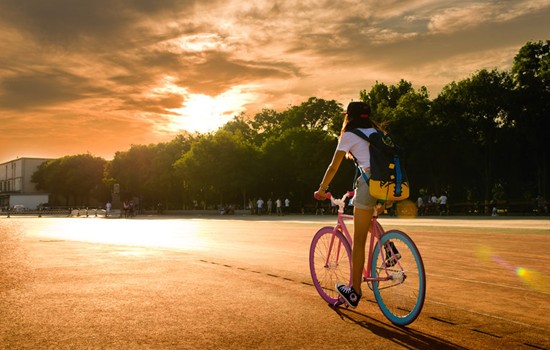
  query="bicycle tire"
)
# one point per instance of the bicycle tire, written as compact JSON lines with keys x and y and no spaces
{"x":400,"y":300}
{"x":338,"y":269}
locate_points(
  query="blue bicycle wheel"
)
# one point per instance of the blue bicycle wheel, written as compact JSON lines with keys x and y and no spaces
{"x":401,"y":298}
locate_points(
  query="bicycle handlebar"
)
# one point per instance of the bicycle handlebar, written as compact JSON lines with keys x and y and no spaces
{"x":331,"y":197}
{"x":341,"y":203}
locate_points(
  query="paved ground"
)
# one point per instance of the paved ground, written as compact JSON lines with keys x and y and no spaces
{"x":243,"y":282}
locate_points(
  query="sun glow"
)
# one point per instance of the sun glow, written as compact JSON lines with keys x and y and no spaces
{"x":203,"y":113}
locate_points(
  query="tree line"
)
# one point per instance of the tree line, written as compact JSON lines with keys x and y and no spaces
{"x":481,"y":139}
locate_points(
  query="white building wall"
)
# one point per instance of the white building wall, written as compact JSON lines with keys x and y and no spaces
{"x":16,"y":184}
{"x":16,"y":175}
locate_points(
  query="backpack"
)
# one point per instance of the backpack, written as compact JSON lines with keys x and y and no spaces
{"x":388,"y":181}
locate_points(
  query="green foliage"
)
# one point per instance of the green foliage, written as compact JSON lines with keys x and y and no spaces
{"x":383,"y":99}
{"x":73,"y":178}
{"x":531,"y":74}
{"x":218,"y":166}
{"x":146,"y":172}
{"x":295,"y":162}
{"x":471,"y":115}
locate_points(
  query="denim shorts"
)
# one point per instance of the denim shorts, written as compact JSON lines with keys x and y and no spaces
{"x":363,"y":199}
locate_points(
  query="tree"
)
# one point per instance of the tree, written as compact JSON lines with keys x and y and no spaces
{"x":315,"y":113}
{"x":470,"y":116}
{"x":409,"y":125}
{"x":221,"y":164}
{"x":147,"y":172}
{"x":244,"y":128}
{"x":295,"y":162}
{"x":266,"y":124}
{"x":531,"y":75}
{"x":75,"y":178}
{"x":383,"y":99}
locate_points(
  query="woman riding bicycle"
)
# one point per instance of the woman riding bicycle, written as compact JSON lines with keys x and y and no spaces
{"x":357,"y":117}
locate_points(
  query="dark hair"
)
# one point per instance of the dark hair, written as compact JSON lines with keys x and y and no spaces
{"x":358,"y":116}
{"x":358,"y":123}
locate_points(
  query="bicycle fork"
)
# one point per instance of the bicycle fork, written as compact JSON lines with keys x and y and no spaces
{"x":335,"y":260}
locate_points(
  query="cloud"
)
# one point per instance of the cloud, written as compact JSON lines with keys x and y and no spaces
{"x":76,"y":24}
{"x":44,"y":88}
{"x":470,"y":15}
{"x":156,"y":104}
{"x":137,"y":65}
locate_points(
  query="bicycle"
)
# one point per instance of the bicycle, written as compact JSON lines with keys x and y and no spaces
{"x":394,"y":270}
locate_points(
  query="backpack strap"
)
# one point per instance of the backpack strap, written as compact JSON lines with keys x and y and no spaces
{"x":357,"y":167}
{"x":360,"y":134}
{"x":398,"y":176}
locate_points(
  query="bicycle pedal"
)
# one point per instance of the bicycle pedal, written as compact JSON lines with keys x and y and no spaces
{"x":392,"y":254}
{"x":341,"y":302}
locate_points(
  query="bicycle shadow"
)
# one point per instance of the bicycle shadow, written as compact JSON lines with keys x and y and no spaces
{"x":403,"y":336}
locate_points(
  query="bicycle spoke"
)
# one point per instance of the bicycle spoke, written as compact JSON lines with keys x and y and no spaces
{"x":401,"y":297}
{"x":329,"y":263}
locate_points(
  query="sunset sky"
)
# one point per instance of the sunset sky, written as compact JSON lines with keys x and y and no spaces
{"x":97,"y":76}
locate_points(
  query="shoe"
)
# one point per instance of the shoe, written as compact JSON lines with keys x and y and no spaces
{"x":391,"y":260}
{"x":350,"y":296}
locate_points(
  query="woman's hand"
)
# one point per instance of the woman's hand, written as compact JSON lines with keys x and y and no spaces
{"x":320,"y":195}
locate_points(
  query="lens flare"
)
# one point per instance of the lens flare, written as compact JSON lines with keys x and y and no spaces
{"x":406,"y":209}
{"x":531,"y":278}
{"x":483,"y":252}
{"x":534,"y":279}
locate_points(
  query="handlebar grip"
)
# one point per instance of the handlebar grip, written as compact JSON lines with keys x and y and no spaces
{"x":316,"y":196}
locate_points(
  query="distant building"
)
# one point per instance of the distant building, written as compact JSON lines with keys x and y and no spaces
{"x":16,"y":187}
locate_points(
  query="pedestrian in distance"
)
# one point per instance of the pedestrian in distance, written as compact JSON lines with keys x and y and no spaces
{"x":108,"y":209}
{"x":420,"y":205}
{"x":279,"y":206}
{"x":443,"y":208}
{"x":287,"y":205}
{"x":260,"y":207}
{"x":269,"y":206}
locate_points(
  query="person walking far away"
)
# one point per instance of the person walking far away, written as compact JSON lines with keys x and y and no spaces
{"x":443,"y":208}
{"x":434,"y":205}
{"x":108,"y":209}
{"x":126,"y":207}
{"x":420,"y":205}
{"x":269,"y":206}
{"x":260,"y":204}
{"x":287,"y":205}
{"x":279,"y":206}
{"x":357,"y":117}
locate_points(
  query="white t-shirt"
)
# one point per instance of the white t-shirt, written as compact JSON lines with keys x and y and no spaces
{"x":349,"y":142}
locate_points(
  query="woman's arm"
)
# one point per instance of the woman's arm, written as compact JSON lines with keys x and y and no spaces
{"x":329,"y":174}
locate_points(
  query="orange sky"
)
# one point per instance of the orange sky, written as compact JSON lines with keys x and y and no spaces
{"x":97,"y":76}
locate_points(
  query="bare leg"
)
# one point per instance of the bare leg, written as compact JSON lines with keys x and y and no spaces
{"x":361,"y":223}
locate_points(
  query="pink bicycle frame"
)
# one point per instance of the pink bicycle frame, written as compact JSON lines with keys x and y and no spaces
{"x":376,"y":230}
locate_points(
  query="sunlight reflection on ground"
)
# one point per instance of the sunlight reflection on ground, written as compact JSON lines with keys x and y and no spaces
{"x":179,"y":234}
